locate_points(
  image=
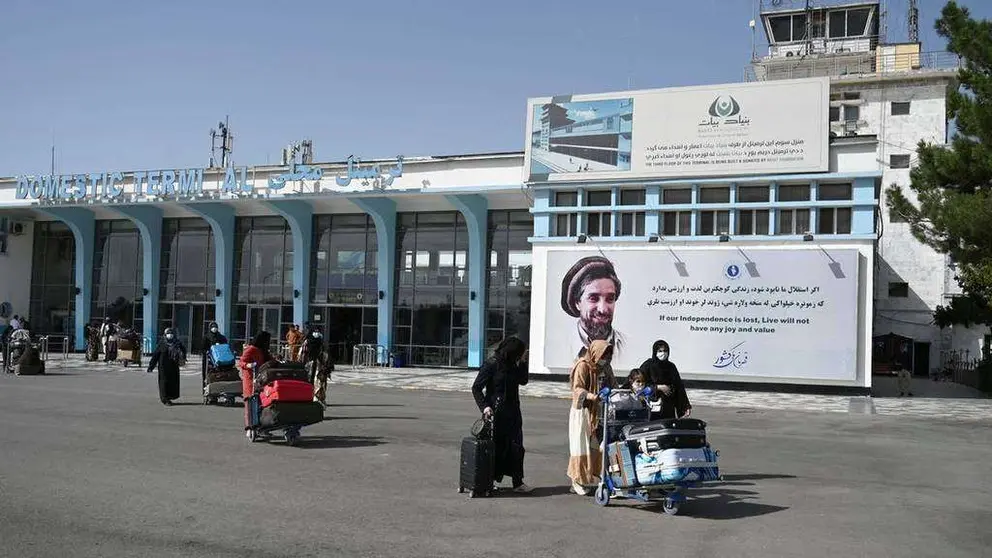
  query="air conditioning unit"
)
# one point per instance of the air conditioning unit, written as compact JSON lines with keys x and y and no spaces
{"x":16,"y":229}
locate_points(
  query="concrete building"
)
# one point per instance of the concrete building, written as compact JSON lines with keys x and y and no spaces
{"x":745,"y":223}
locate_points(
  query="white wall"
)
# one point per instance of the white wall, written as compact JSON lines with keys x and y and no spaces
{"x":542,"y":289}
{"x":15,"y":271}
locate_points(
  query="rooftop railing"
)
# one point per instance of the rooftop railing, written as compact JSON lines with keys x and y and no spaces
{"x":868,"y":64}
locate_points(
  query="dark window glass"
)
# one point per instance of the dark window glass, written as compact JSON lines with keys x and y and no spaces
{"x":714,"y":195}
{"x":781,"y":28}
{"x":598,"y":198}
{"x":566,"y":199}
{"x":900,"y":109}
{"x":750,"y":194}
{"x":898,"y":289}
{"x":857,"y":21}
{"x":632,"y":197}
{"x":831,"y":192}
{"x":508,"y":274}
{"x":676,"y":196}
{"x":899,"y":161}
{"x":788,"y":193}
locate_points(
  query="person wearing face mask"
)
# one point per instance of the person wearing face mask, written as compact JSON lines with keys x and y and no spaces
{"x":168,"y":357}
{"x":589,"y":374}
{"x":213,"y":337}
{"x":668,"y":388}
{"x":315,"y":360}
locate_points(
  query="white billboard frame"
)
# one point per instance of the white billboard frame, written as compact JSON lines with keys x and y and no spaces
{"x":773,"y":127}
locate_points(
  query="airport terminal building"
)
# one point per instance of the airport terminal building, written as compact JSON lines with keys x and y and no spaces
{"x":743,"y":223}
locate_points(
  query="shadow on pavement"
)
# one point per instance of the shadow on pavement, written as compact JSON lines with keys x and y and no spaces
{"x":365,"y":405}
{"x":719,"y":504}
{"x":334,"y":418}
{"x":327,"y":442}
{"x":755,"y":476}
{"x":537,"y":492}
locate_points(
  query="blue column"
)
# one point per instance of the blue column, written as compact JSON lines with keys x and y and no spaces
{"x":383,"y":213}
{"x":220,"y":216}
{"x":475,"y":208}
{"x":542,"y":221}
{"x":82,"y":223}
{"x":148,"y":219}
{"x":863,"y":216}
{"x":652,"y":220}
{"x":299,"y":215}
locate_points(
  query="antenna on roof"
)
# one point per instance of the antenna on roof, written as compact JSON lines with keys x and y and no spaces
{"x":914,"y":22}
{"x":225,"y":146}
{"x":302,"y":148}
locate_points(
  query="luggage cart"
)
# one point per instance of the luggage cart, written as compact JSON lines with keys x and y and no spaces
{"x":255,"y":431}
{"x":672,"y":493}
{"x":225,"y":392}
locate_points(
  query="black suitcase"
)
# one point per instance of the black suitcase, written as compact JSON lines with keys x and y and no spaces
{"x":275,"y":370}
{"x":685,"y":433}
{"x":284,"y":413}
{"x":477,"y":466}
{"x":30,"y":369}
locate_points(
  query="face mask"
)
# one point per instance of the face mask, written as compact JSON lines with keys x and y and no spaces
{"x":316,"y":335}
{"x":169,"y":336}
{"x":602,"y":363}
{"x":662,"y":355}
{"x":638,"y":386}
{"x":213,"y":330}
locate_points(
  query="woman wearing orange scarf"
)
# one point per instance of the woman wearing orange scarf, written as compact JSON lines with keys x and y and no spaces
{"x":590,"y":373}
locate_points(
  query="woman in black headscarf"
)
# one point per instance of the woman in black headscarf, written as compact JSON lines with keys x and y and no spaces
{"x":497,"y":393}
{"x":664,"y":376}
{"x":169,"y":356}
{"x":213,"y":337}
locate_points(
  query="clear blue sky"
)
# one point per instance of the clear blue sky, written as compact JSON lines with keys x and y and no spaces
{"x":138,"y":85}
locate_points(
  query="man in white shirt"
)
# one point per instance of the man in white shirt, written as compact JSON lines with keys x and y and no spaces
{"x":15,"y":322}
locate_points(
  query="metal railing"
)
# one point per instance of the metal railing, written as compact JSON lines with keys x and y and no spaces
{"x":369,"y":355}
{"x":868,"y":64}
{"x":959,"y":367}
{"x":61,"y":341}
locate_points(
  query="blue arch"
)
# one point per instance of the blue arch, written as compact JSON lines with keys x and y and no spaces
{"x":220,"y":217}
{"x":82,"y":223}
{"x":475,"y":209}
{"x":148,"y":219}
{"x":299,"y":215}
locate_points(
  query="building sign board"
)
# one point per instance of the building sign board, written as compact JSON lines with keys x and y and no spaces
{"x":759,"y":313}
{"x":734,"y":129}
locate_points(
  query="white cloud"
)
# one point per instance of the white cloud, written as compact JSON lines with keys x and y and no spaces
{"x":583,"y":115}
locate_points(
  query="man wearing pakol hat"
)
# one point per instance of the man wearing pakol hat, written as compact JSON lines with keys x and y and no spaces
{"x":589,"y":292}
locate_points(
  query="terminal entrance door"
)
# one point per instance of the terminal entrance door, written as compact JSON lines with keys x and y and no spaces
{"x":266,"y":318}
{"x":190,"y":323}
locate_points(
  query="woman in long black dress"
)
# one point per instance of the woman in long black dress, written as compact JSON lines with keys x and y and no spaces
{"x":497,"y":393}
{"x":169,"y":356}
{"x":664,"y":376}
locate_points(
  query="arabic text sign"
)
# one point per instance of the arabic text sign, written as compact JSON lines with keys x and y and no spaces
{"x":768,"y":127}
{"x":766,"y":313}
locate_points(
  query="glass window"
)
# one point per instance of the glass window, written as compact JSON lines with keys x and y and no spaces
{"x":752,"y":222}
{"x":792,"y":222}
{"x":676,"y":223}
{"x":598,"y":224}
{"x":565,"y":224}
{"x":509,"y":274}
{"x":566,"y":199}
{"x":713,"y":223}
{"x":632,"y":224}
{"x":838,"y":24}
{"x":260,"y":260}
{"x":798,"y":27}
{"x":835,"y":114}
{"x":790,"y":193}
{"x":899,"y":161}
{"x":676,"y":196}
{"x":781,"y":27}
{"x":751,"y":194}
{"x":598,"y":198}
{"x":898,"y":289}
{"x":632,"y":197}
{"x":833,"y":220}
{"x":857,"y":21}
{"x":900,"y":109}
{"x":714,"y":195}
{"x":831,"y":192}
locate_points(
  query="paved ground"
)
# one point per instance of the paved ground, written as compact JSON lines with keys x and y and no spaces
{"x":931,"y":399}
{"x":93,"y":465}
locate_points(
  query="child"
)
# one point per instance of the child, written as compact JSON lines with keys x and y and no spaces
{"x":636,"y":380}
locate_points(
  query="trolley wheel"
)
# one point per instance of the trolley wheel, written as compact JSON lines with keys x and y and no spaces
{"x":671,"y":507}
{"x":252,"y":435}
{"x":461,"y":490}
{"x":126,"y":364}
{"x":602,"y":495}
{"x":292,"y":437}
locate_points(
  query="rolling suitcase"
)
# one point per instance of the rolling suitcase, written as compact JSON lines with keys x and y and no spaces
{"x":280,"y":414}
{"x":686,"y":433}
{"x":290,"y":391}
{"x":477,"y":466}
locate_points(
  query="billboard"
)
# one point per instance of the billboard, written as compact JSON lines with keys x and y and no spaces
{"x":733,"y":129}
{"x":761,"y":313}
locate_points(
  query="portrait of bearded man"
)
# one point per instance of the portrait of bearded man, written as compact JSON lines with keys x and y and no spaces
{"x":589,"y":292}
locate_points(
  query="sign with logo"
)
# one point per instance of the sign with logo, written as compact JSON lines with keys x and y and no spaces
{"x":735,"y":129}
{"x":760,"y":314}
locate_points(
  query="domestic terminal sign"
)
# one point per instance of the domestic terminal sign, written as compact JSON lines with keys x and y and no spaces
{"x":723,"y":130}
{"x":181,"y":184}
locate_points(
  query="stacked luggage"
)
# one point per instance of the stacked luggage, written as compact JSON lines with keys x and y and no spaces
{"x":282,"y":400}
{"x":128,"y":347}
{"x":221,"y":380}
{"x":26,"y":359}
{"x":648,"y":459}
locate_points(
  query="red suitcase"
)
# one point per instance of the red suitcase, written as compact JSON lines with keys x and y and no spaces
{"x":287,"y":391}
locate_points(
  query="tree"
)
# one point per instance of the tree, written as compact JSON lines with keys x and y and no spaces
{"x":953,"y":184}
